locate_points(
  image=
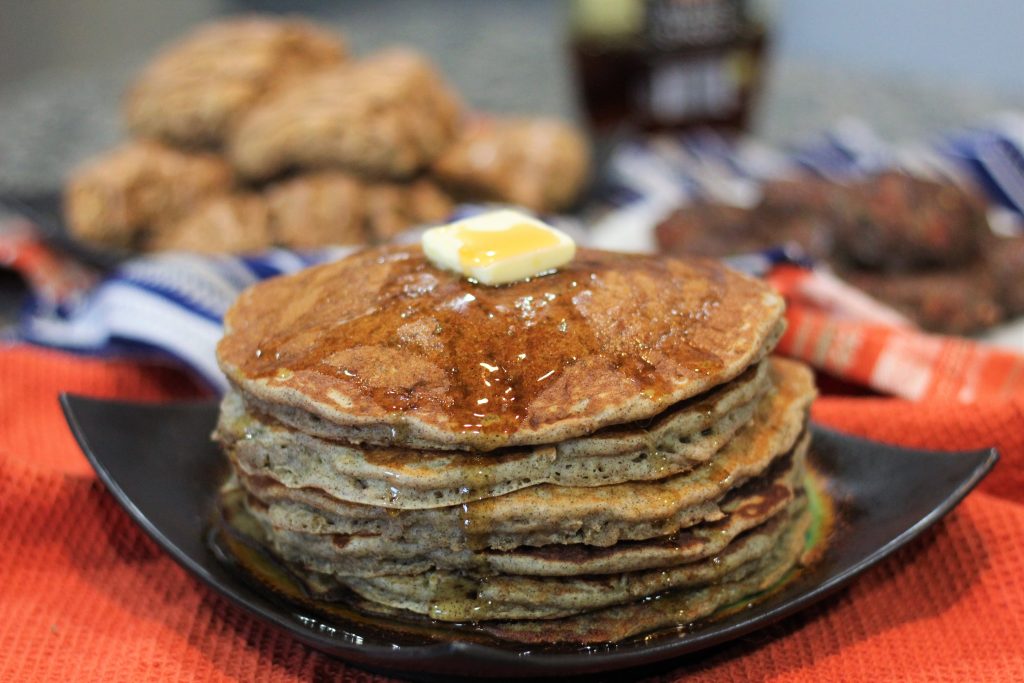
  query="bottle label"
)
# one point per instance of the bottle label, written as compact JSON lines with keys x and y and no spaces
{"x":695,"y":87}
{"x":682,"y":23}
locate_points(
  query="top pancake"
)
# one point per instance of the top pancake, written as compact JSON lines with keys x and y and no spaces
{"x":384,"y":348}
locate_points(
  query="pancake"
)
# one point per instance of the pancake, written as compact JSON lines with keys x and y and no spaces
{"x":382,"y":348}
{"x":565,"y":450}
{"x":546,"y":514}
{"x":675,"y":610}
{"x":689,"y":434}
{"x":306,"y":509}
{"x":368,"y":555}
{"x":450,"y":596}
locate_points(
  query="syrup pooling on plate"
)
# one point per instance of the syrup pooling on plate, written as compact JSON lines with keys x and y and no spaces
{"x":417,"y":336}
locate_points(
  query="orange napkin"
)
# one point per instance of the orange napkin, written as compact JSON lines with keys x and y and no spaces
{"x":86,"y":596}
{"x":840,"y":330}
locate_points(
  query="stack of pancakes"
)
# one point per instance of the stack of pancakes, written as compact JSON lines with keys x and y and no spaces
{"x":582,"y":456}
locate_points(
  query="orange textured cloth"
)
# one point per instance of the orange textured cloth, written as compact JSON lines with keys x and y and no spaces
{"x":86,"y":596}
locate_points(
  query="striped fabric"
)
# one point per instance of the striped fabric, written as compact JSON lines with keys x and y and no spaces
{"x":172,"y":303}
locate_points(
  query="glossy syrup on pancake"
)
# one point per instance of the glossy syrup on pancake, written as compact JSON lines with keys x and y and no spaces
{"x":494,"y":366}
{"x":413,"y":340}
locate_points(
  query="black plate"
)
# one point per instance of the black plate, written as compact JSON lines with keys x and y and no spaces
{"x":159,"y":463}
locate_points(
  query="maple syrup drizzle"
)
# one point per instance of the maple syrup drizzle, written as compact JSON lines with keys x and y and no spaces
{"x":482,"y":355}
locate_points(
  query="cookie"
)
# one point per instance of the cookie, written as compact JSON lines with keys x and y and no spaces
{"x":336,"y":208}
{"x":541,"y":164}
{"x":236,"y":224}
{"x":194,"y":90}
{"x":387,"y":116}
{"x":393,"y":208}
{"x":116,"y":199}
{"x":317,"y":209}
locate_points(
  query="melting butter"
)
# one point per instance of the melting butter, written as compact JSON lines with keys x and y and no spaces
{"x":498,"y":247}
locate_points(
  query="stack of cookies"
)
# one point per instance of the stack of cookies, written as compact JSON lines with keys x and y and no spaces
{"x":591,"y":454}
{"x":259,"y":132}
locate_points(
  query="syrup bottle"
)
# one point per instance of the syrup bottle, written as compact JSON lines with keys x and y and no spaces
{"x":667,"y":65}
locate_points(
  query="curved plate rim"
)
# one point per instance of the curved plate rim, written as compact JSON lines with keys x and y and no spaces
{"x":398,"y":658}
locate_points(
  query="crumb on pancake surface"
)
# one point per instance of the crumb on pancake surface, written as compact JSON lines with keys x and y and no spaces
{"x":194,"y":90}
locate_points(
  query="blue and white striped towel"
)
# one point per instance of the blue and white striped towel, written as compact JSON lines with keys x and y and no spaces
{"x":171,"y":302}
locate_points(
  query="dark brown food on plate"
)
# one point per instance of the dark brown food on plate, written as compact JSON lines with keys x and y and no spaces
{"x":193,"y":92}
{"x":892,"y":221}
{"x":895,"y":221}
{"x":921,"y":246}
{"x":1006,"y":256}
{"x":389,"y":115}
{"x":957,"y":301}
{"x":789,"y":212}
{"x":541,"y":164}
{"x":232,"y":224}
{"x":805,"y":194}
{"x":119,"y":198}
{"x":704,"y":228}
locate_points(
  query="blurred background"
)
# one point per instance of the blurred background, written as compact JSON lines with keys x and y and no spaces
{"x":838,"y":131}
{"x":910,"y":67}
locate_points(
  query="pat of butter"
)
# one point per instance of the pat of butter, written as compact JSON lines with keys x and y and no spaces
{"x":498,"y":247}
